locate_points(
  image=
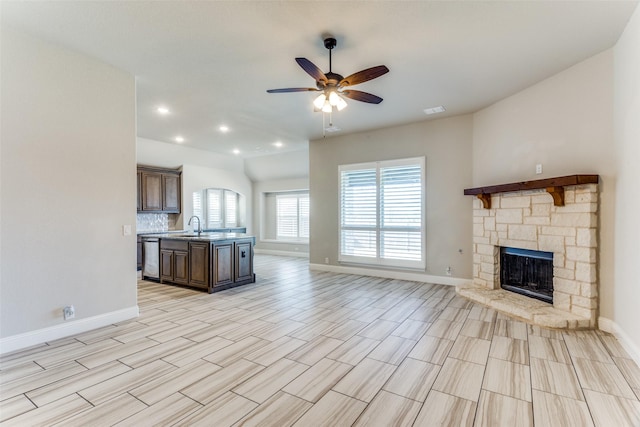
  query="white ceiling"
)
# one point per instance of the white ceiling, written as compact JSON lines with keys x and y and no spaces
{"x":210,"y":62}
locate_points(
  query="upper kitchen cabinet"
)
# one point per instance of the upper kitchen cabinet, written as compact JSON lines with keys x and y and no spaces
{"x":139,"y":192}
{"x":159,"y":190}
{"x":171,"y":192}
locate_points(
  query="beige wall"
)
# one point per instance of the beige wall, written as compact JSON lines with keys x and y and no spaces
{"x":566,"y":123}
{"x":446,"y":144}
{"x":278,"y":167}
{"x":68,"y":186}
{"x":626,"y":290}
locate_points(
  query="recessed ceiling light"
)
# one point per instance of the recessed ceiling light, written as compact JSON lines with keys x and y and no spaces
{"x":163,"y":110}
{"x":434,"y":110}
{"x":223,"y":128}
{"x":277,"y":144}
{"x":179,"y":139}
{"x":236,"y":151}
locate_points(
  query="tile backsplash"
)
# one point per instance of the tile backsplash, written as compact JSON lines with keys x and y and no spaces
{"x":151,"y":222}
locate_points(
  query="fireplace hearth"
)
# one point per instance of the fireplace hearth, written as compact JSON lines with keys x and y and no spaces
{"x":527,"y":272}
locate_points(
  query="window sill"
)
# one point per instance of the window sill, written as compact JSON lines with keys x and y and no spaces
{"x":385,"y":266}
{"x":290,"y":242}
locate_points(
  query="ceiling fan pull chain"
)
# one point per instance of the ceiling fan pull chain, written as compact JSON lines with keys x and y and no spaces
{"x":323,"y":126}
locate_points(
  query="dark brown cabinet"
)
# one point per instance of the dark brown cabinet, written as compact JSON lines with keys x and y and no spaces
{"x":139,"y":252}
{"x":174,"y":261}
{"x":166,"y":265}
{"x":199,"y":264}
{"x":151,"y":191}
{"x":171,"y":193}
{"x":139,"y":191}
{"x":181,"y":274}
{"x":243,"y":261}
{"x":213,"y":265}
{"x":222,"y":264}
{"x":158,"y":190}
{"x":231,"y":263}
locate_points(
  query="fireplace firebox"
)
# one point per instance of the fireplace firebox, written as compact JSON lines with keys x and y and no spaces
{"x":527,"y":272}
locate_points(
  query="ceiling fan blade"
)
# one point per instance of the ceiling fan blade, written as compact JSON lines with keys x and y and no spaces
{"x":293,"y":89}
{"x":364,"y":75}
{"x":362,"y":96}
{"x":311,"y":69}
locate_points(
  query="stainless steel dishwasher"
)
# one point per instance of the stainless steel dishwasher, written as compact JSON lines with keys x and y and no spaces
{"x":151,"y":258}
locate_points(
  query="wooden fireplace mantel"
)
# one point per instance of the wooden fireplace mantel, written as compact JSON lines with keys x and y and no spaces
{"x":554,"y":186}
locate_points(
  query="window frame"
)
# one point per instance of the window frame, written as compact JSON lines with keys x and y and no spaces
{"x":378,"y":230}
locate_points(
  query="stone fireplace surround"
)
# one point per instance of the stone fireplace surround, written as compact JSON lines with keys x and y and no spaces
{"x":559,"y":219}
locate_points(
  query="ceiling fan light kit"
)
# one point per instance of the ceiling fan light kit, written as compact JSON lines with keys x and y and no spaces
{"x":332,"y":85}
{"x":319,"y":101}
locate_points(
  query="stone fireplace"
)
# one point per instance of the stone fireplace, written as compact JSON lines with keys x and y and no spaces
{"x":559,"y":216}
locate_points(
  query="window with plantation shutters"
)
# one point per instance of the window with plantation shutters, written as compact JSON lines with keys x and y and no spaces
{"x":292,"y":216}
{"x":217,"y":208}
{"x":382,"y":213}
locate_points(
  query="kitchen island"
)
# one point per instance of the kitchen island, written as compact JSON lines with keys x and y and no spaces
{"x":207,"y":261}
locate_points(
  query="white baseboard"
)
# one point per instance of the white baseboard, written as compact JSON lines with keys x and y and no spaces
{"x":612,"y":327}
{"x":283,"y":253}
{"x":28,"y":339}
{"x":392,"y":274}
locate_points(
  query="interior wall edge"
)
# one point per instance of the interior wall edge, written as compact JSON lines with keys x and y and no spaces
{"x":39,"y":336}
{"x":393,"y":274}
{"x":281,"y":253}
{"x":608,"y":325}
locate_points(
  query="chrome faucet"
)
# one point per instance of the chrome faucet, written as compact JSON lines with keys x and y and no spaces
{"x":199,"y":227}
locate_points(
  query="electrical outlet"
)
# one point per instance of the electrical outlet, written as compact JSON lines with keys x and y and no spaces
{"x":126,"y":230}
{"x":326,"y":260}
{"x":69,"y":312}
{"x":449,"y":271}
{"x":538,"y":168}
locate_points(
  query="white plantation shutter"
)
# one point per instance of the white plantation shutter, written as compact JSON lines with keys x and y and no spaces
{"x":382,"y":213}
{"x":303,"y":216}
{"x":358,"y":217}
{"x":230,"y":208}
{"x":214,"y":208}
{"x":197,"y":204}
{"x":401,"y":212}
{"x":292,"y":216}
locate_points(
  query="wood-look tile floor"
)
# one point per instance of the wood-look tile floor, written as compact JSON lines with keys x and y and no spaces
{"x":309,"y":348}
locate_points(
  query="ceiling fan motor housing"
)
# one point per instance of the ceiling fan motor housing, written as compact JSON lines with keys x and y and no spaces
{"x":333,"y":78}
{"x":330,"y":43}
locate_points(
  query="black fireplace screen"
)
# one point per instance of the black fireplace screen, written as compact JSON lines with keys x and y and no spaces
{"x":527,"y":272}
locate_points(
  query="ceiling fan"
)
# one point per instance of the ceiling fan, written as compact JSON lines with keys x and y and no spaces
{"x":332,"y":85}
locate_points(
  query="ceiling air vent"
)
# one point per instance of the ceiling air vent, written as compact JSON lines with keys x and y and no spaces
{"x":434,"y":110}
